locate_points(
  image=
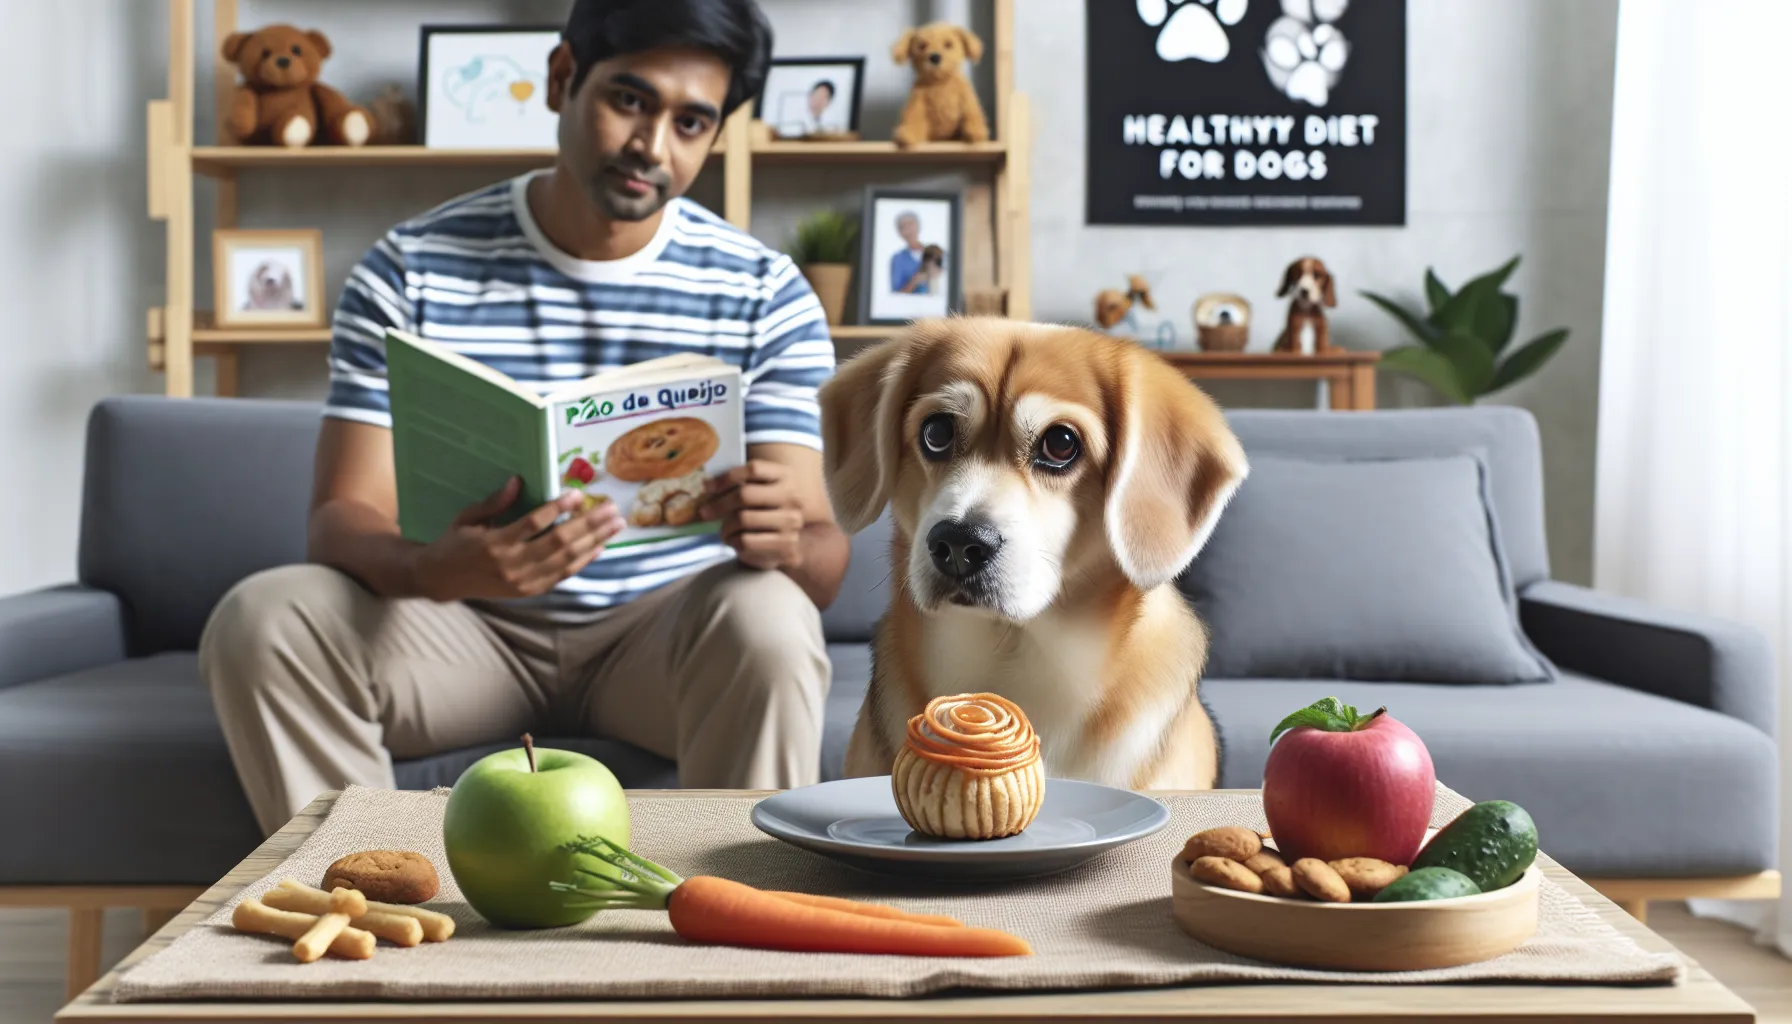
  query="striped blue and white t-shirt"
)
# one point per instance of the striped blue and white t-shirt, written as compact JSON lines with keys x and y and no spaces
{"x":478,"y":275}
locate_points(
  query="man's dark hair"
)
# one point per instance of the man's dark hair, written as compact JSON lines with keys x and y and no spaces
{"x":736,"y":31}
{"x":824,"y":84}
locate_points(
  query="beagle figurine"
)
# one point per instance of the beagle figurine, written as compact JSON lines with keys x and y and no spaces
{"x":1311,"y":284}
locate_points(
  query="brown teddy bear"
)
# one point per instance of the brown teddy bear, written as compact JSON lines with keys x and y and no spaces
{"x":942,"y":105}
{"x":280,"y":100}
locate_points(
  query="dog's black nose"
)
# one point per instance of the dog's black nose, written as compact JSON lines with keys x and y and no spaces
{"x":933,"y":58}
{"x":281,"y":62}
{"x":962,"y":548}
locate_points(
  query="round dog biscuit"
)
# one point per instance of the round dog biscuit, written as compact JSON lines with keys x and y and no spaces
{"x":1320,"y":880}
{"x":1226,"y":873}
{"x":1234,"y":841}
{"x":385,"y":876}
{"x":663,"y":448}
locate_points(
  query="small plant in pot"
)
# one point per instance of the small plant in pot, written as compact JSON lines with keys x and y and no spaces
{"x":823,"y":250}
{"x":1464,"y":338}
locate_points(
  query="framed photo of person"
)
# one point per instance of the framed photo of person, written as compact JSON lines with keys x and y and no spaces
{"x":910,"y":248}
{"x":268,"y":278}
{"x":486,"y":87}
{"x":811,"y":96}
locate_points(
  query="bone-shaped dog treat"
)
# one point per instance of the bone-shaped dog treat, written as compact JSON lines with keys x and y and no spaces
{"x":436,"y":927}
{"x":345,"y":905}
{"x":396,"y":929}
{"x":252,"y":915}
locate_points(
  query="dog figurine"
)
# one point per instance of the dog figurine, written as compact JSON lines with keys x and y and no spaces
{"x":942,"y":105}
{"x":1311,"y":284}
{"x":1047,"y":484}
{"x":1122,"y":309}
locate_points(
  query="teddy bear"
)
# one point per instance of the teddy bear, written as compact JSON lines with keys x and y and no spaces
{"x":942,"y":105}
{"x":280,"y":100}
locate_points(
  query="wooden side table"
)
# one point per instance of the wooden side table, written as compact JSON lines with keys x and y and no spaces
{"x":1350,"y":374}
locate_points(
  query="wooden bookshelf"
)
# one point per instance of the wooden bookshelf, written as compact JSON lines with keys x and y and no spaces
{"x":180,"y":331}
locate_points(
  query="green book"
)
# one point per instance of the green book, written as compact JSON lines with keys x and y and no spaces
{"x":645,"y":436}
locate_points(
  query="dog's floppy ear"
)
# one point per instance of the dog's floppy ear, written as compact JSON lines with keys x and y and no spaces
{"x":973,"y":47}
{"x":1331,"y":297}
{"x":861,"y":431}
{"x":1289,"y":278}
{"x":903,"y":42}
{"x":1175,"y":465}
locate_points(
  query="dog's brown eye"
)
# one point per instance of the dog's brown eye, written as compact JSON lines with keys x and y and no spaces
{"x":936,"y":436}
{"x":1059,"y":447}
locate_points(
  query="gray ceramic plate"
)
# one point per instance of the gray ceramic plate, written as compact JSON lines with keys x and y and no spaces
{"x":855,"y":821}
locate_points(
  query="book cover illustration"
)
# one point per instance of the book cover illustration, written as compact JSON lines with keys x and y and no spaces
{"x":651,"y":449}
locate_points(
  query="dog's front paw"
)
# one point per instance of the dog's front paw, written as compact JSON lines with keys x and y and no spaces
{"x":1304,"y":52}
{"x":1195,"y":31}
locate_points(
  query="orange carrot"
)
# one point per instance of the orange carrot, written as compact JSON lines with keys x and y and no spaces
{"x":867,"y":909}
{"x":705,"y":908}
{"x":709,"y":909}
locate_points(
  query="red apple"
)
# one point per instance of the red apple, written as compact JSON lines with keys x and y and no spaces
{"x":1338,"y":784}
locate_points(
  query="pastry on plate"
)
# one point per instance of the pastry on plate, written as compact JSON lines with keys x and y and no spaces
{"x":969,"y":769}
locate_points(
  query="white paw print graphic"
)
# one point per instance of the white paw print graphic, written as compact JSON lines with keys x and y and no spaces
{"x":1304,"y":52}
{"x":1195,"y":31}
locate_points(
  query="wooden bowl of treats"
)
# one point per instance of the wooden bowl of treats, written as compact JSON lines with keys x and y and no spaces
{"x":1326,"y":915}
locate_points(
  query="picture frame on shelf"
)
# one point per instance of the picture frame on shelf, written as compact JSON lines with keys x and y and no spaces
{"x":268,"y":277}
{"x":910,"y":255}
{"x":812,"y":97}
{"x":486,"y":86}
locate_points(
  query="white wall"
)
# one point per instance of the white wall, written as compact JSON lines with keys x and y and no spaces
{"x":1509,"y":105}
{"x":79,"y":261}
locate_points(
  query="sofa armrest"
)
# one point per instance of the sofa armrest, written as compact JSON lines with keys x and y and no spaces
{"x":57,"y":630}
{"x":1696,"y":659}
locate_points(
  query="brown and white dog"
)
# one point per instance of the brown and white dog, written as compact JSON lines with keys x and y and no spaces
{"x":1311,"y":284}
{"x":1046,"y":485}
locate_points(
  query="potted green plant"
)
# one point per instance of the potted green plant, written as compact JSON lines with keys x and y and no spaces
{"x":823,"y":250}
{"x":1464,"y":336}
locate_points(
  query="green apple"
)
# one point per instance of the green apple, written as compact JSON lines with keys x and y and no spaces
{"x":505,"y":823}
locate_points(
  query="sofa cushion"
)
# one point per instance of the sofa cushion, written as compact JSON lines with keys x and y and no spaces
{"x":865,"y":590}
{"x":1339,"y":568}
{"x":1620,"y":783}
{"x":136,"y":783}
{"x":852,"y":675}
{"x":184,"y":497}
{"x":144,"y":790}
{"x":1505,"y":435}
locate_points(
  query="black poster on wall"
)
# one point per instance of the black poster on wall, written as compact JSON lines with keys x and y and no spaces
{"x":1247,"y":111}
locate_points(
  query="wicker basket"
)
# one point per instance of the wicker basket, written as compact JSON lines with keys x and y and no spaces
{"x":1223,"y":337}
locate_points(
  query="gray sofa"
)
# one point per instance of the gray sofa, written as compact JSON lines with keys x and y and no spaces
{"x":1649,"y":753}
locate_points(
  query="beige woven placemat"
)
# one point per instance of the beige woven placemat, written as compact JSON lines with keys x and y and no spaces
{"x":1104,"y":924}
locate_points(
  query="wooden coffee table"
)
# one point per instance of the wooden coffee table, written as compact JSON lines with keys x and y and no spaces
{"x":1699,"y":998}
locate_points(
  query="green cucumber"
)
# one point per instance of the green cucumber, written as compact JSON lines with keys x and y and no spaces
{"x":1427,"y":884}
{"x":1492,"y":843}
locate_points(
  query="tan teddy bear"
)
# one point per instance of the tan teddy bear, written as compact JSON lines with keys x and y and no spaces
{"x":942,"y":105}
{"x":280,"y":99}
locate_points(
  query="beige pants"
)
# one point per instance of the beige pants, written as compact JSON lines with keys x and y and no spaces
{"x":320,"y":683}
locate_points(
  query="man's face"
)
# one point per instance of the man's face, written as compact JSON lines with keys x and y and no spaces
{"x":819,"y":98}
{"x":910,"y":230}
{"x":640,"y":127}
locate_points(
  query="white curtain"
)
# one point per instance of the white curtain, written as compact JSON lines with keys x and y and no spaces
{"x":1694,"y":489}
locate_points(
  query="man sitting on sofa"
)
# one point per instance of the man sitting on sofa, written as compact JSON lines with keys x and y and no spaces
{"x":707,"y":650}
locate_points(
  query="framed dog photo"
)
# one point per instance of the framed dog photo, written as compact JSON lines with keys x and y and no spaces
{"x":268,"y":278}
{"x":910,"y":255}
{"x":486,"y":87}
{"x":811,"y":96}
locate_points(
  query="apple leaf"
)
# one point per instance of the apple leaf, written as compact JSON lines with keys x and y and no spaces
{"x":1327,"y":715}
